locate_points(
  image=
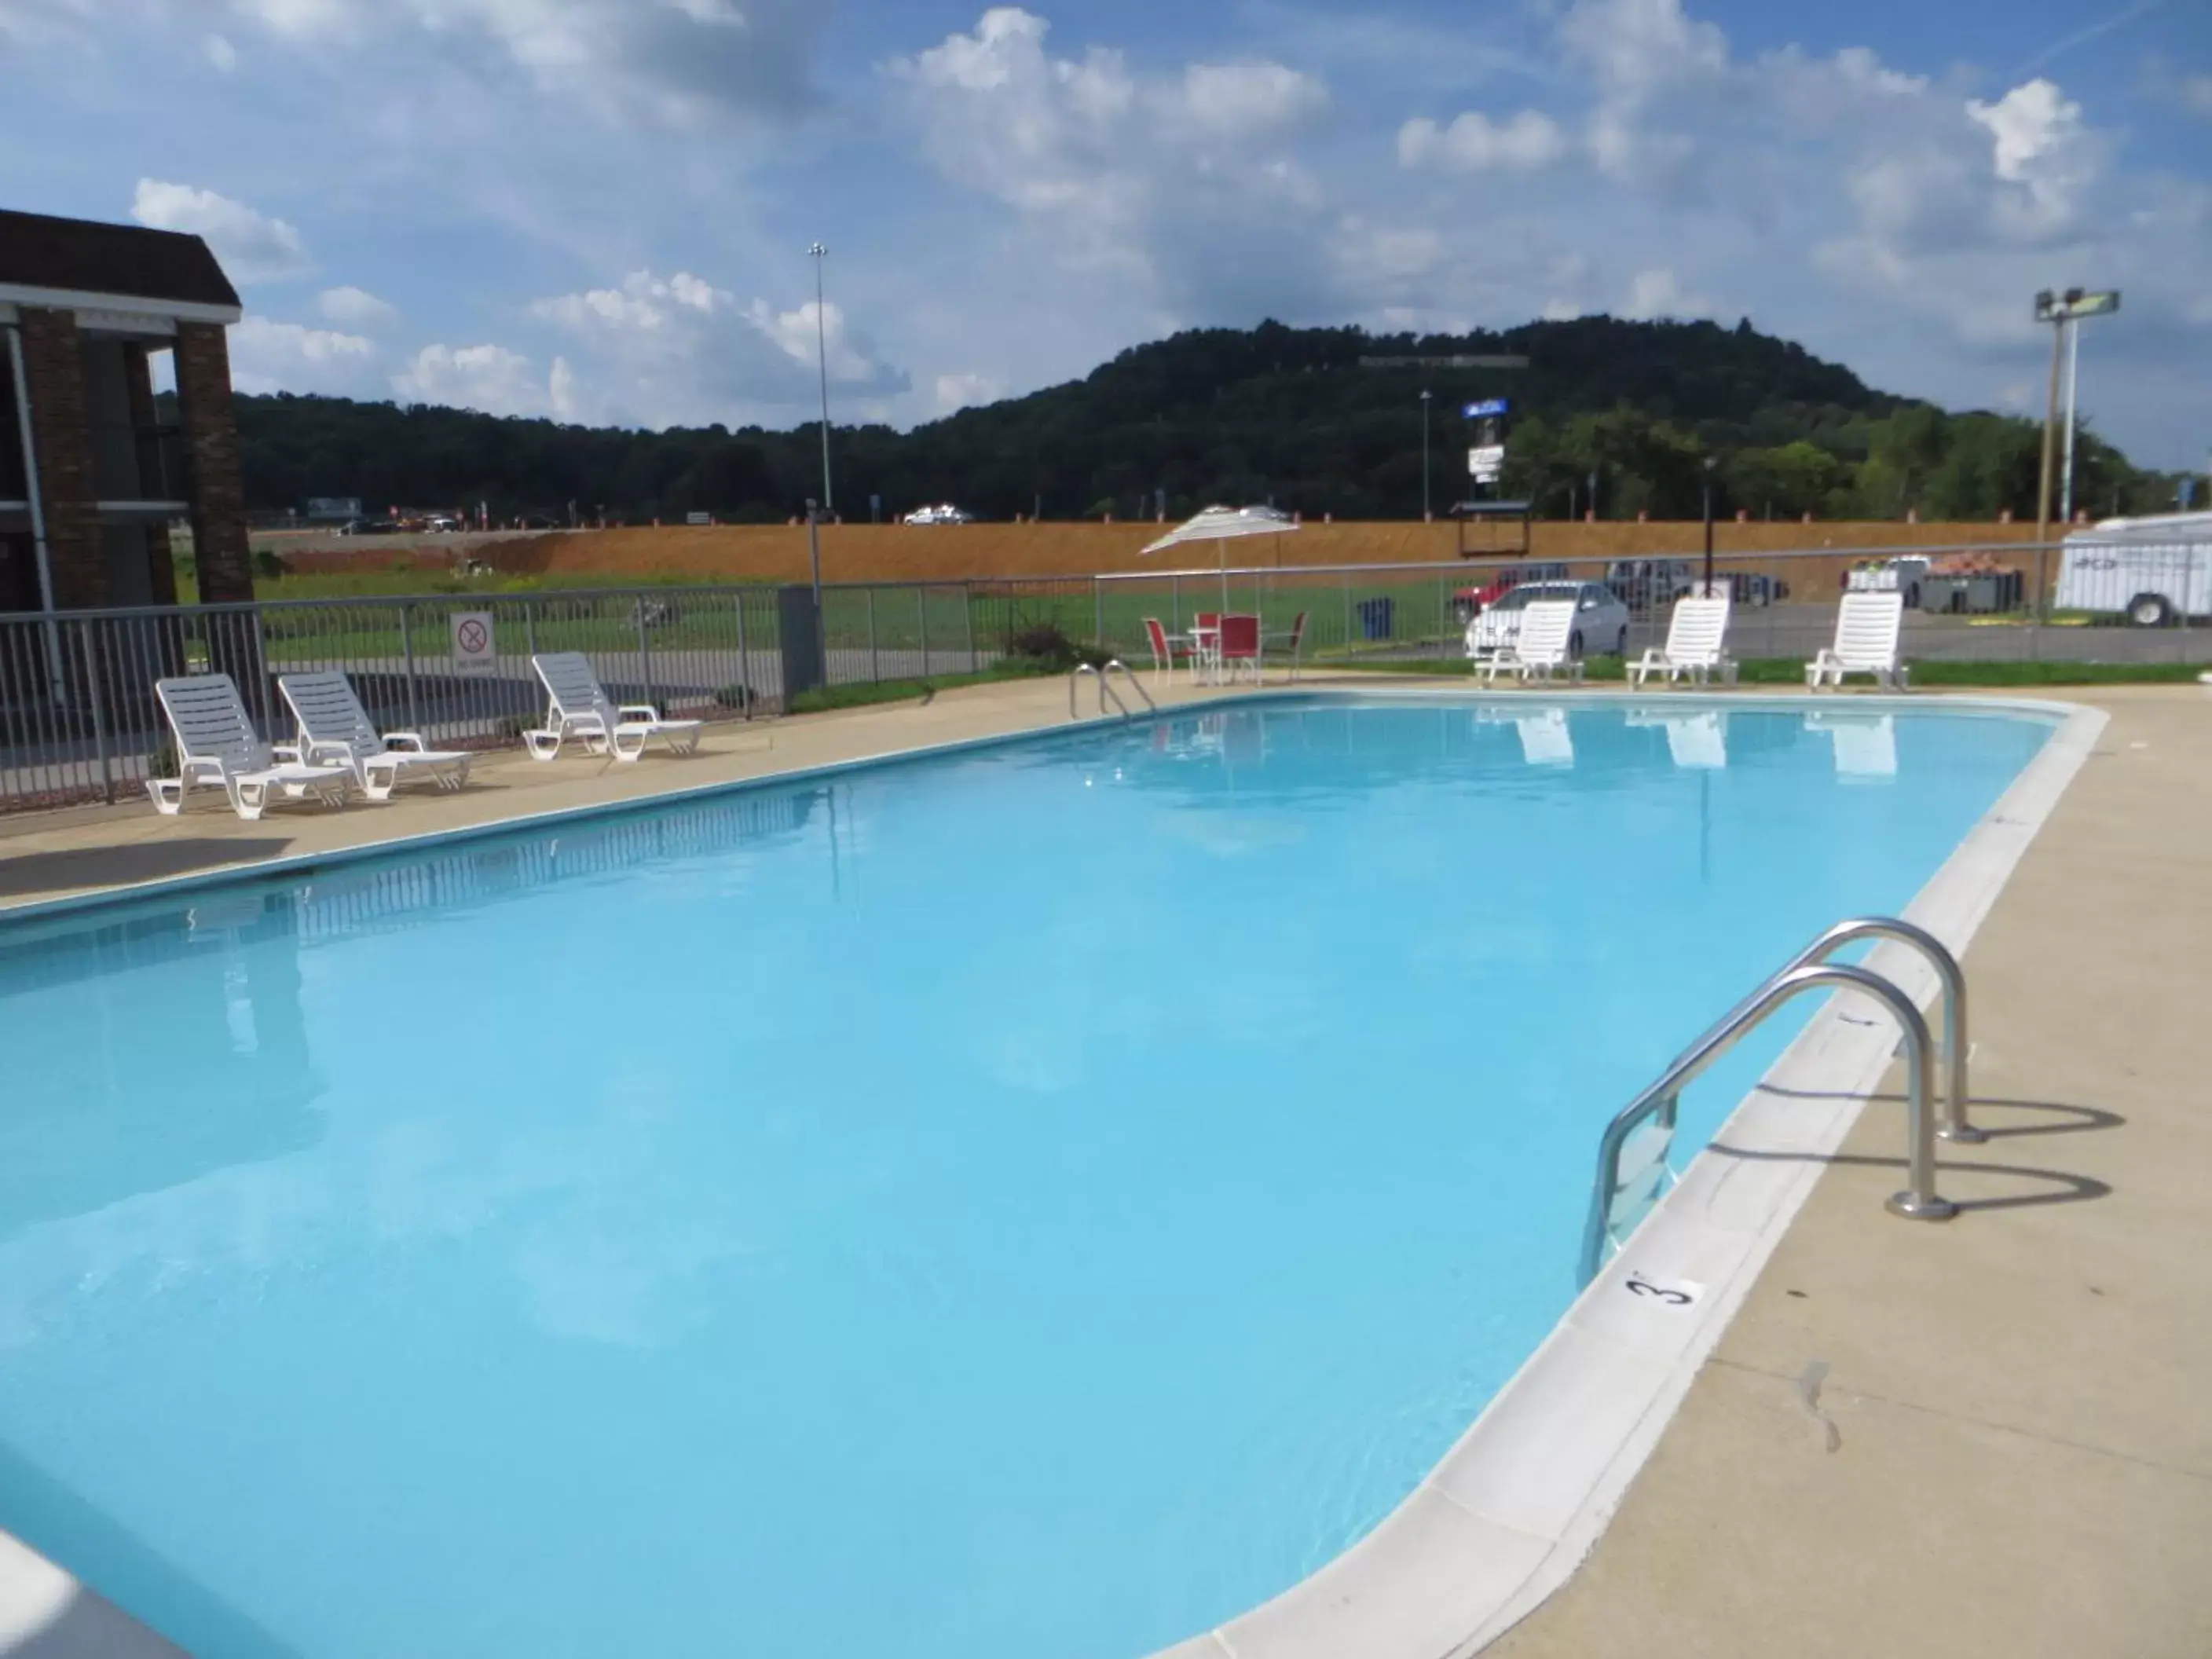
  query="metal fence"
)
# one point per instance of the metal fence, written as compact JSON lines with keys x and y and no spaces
{"x":1784,"y":611}
{"x":79,"y":723}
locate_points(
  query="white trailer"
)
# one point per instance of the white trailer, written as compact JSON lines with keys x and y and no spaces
{"x":2151,"y":570}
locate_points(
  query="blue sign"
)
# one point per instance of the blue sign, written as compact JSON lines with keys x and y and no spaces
{"x":1487,"y":407}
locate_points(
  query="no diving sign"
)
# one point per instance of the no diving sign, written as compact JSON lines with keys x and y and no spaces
{"x":473,"y":652}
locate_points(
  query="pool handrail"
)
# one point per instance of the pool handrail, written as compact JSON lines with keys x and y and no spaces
{"x":1917,"y":1202}
{"x":1103,"y":673}
{"x":1953,"y":1126}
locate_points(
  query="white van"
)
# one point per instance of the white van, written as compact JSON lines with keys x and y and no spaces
{"x":2153,"y":570}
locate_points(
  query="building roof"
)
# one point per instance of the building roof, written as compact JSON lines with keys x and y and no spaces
{"x":83,"y":256}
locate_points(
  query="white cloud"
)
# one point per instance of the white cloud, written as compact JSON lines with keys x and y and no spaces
{"x":355,"y":307}
{"x":680,"y":350}
{"x":1171,"y":184}
{"x":961,"y":391}
{"x":253,"y":248}
{"x":267,"y":356}
{"x":1659,"y":292}
{"x":220,"y":53}
{"x":490,"y":378}
{"x":675,"y":61}
{"x":2038,"y":143}
{"x":1246,"y":100}
{"x":1475,"y":143}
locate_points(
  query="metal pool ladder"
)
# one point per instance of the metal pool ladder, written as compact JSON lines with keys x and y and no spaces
{"x":1104,"y":675}
{"x":1632,"y":1172}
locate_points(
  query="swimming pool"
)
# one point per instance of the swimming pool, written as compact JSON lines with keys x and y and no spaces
{"x":1048,"y":1198}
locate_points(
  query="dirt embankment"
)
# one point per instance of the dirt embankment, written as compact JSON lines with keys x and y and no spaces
{"x":951,"y":552}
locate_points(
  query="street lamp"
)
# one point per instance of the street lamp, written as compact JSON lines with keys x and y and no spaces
{"x":2064,"y":312}
{"x":1427,"y":516}
{"x":819,"y":254}
{"x":1707,"y":592}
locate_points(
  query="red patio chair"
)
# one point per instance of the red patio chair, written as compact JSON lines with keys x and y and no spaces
{"x":1239,"y":647}
{"x":1164,"y":646}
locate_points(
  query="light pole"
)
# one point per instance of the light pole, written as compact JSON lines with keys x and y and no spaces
{"x":1427,"y":517}
{"x":2063,"y":312}
{"x":819,"y":254}
{"x":1707,"y":591}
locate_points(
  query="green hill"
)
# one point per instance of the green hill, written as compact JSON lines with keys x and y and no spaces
{"x":1272,"y":413}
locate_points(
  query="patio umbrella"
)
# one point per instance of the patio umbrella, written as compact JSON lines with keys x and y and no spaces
{"x":1220,"y":524}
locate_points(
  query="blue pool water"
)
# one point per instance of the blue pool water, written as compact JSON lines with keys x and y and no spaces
{"x":1042,"y":1200}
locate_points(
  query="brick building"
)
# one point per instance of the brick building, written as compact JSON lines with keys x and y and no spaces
{"x":91,"y":473}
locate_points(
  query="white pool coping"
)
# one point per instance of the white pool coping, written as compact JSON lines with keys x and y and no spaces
{"x":1517,"y":1503}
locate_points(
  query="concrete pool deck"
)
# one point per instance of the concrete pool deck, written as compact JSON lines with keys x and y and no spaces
{"x":2008,"y":1450}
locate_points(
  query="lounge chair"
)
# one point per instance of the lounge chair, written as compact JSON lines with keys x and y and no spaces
{"x":1867,"y":630}
{"x":335,"y":727}
{"x":217,"y":749}
{"x":1696,"y":645}
{"x":578,"y":707}
{"x":1540,"y":648}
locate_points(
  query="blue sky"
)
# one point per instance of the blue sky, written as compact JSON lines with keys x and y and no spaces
{"x":599,"y":209}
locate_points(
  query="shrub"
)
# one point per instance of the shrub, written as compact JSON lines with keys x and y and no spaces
{"x":1043,"y":646}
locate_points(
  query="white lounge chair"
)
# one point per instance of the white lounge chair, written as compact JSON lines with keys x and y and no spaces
{"x":1867,"y":630}
{"x":1540,"y":648}
{"x":578,"y":707}
{"x":217,"y":749}
{"x":335,"y":727}
{"x":1696,"y":645}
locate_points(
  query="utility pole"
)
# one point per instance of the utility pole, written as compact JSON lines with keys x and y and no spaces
{"x":2063,"y":312}
{"x":2073,"y":379}
{"x":1706,"y":592}
{"x":1427,"y":517}
{"x":820,"y":254}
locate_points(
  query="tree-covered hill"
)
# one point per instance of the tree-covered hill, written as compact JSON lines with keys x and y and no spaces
{"x":1279,"y":414}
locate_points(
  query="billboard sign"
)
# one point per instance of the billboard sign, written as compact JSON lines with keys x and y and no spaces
{"x":1487,"y":409}
{"x":1484,"y":462}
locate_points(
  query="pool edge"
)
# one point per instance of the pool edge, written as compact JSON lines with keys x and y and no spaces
{"x":1511,"y":1511}
{"x":1480,"y":1543}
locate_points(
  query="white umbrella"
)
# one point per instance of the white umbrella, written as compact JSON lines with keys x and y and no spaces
{"x":1219,"y":524}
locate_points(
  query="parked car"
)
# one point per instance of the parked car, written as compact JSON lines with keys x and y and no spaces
{"x":2153,"y":570}
{"x":1468,"y":603}
{"x":372,"y":527}
{"x":1648,"y":584}
{"x":945,"y":513}
{"x":1601,"y":619}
